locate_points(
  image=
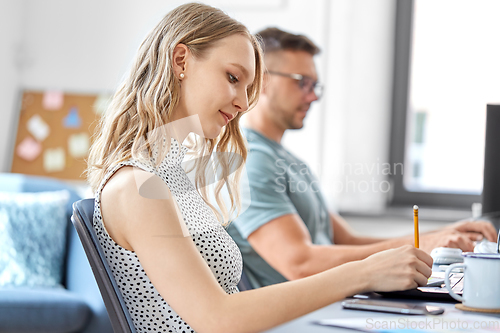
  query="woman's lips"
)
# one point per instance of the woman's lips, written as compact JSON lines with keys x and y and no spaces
{"x":227,"y":117}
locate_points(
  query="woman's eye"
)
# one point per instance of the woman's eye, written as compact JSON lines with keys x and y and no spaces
{"x":232,"y":78}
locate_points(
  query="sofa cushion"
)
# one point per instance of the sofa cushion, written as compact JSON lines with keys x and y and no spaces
{"x":54,"y":310}
{"x":32,"y":238}
{"x":16,"y":182}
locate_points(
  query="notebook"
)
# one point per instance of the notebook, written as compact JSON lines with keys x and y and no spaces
{"x":439,"y":293}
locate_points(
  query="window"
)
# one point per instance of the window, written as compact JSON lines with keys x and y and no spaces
{"x":446,"y":71}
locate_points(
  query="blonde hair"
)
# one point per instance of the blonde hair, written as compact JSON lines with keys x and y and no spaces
{"x":147,"y":97}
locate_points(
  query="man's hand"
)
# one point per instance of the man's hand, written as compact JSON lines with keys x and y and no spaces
{"x":460,"y":235}
{"x":481,"y":228}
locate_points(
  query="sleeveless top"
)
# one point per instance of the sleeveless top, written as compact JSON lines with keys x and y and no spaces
{"x":149,"y":311}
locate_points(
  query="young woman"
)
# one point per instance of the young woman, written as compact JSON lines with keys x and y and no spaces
{"x":177,"y":268}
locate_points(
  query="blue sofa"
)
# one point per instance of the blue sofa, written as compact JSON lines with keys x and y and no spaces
{"x":78,"y":307}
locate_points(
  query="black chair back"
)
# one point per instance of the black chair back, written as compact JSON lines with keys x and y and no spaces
{"x":82,"y":219}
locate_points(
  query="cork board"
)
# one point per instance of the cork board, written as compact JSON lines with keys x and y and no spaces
{"x":54,"y":133}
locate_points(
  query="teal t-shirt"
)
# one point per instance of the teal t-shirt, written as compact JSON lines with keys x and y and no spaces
{"x":280,"y":184}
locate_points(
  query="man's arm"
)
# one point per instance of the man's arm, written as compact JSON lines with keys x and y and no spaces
{"x":344,"y":234}
{"x":460,"y":235}
{"x":285,"y":243}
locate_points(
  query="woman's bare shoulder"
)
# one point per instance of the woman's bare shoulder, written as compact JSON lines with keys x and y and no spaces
{"x":114,"y":197}
{"x":134,"y":202}
{"x":121,"y":187}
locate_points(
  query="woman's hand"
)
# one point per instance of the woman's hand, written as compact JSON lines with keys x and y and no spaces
{"x":397,"y":269}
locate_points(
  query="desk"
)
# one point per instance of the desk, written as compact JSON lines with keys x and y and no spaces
{"x":334,"y":311}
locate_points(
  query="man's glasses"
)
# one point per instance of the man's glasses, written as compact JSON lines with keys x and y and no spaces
{"x":306,"y":83}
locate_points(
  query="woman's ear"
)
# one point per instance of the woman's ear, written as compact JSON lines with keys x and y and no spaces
{"x":179,"y":60}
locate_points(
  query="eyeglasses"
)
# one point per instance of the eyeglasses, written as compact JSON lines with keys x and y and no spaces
{"x":306,"y":83}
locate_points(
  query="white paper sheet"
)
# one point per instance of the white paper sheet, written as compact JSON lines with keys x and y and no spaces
{"x":54,"y":159}
{"x":78,"y":145}
{"x":38,"y":127}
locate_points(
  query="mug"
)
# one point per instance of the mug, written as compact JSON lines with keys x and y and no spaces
{"x":481,"y":280}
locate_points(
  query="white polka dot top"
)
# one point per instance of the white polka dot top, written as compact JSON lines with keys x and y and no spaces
{"x":149,"y":311}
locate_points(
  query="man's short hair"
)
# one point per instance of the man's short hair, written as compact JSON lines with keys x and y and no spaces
{"x":274,"y":39}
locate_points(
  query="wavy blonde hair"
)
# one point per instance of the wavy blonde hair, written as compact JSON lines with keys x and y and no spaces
{"x":149,"y":94}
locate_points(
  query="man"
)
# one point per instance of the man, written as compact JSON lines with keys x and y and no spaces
{"x":287,"y":233}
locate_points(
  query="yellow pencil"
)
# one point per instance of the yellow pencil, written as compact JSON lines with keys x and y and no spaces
{"x":415,"y":224}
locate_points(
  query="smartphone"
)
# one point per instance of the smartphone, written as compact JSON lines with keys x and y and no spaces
{"x":391,"y":307}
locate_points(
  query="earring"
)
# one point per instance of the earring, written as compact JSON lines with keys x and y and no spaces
{"x":181,"y":75}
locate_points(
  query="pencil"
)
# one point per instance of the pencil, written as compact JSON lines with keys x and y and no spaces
{"x":415,"y":224}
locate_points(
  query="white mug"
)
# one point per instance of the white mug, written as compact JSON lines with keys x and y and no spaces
{"x":481,"y":280}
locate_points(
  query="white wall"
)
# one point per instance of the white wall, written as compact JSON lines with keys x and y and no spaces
{"x":357,"y":114}
{"x":87,"y":46}
{"x":11,"y":59}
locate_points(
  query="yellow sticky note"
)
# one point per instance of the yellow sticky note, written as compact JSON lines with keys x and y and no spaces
{"x":78,"y":145}
{"x":101,"y":103}
{"x":54,"y":159}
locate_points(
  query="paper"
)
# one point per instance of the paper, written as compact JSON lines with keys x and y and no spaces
{"x":72,"y":120}
{"x":453,"y":320}
{"x":486,"y":247}
{"x":38,"y":128}
{"x":101,"y":104}
{"x":78,"y":145}
{"x":54,"y":159}
{"x":29,"y":149}
{"x":53,"y":100}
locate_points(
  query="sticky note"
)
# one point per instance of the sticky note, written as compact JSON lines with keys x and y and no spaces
{"x":29,"y":149}
{"x":101,"y":104}
{"x":54,"y":159}
{"x":53,"y":100}
{"x":72,"y":120}
{"x":78,"y":145}
{"x":38,"y":128}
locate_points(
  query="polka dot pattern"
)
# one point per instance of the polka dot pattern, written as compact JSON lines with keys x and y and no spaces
{"x":149,"y":311}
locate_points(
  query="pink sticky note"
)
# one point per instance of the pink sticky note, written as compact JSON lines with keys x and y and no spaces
{"x":29,"y":149}
{"x":53,"y":100}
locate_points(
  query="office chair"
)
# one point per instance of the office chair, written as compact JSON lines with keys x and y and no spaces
{"x":82,"y":219}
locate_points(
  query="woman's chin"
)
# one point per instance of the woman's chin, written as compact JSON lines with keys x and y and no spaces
{"x":213,"y":132}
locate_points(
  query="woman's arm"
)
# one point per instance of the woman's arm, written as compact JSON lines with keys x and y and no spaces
{"x":154,"y":229}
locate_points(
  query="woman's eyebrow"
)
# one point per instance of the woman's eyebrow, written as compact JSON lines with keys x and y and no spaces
{"x":242,"y":68}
